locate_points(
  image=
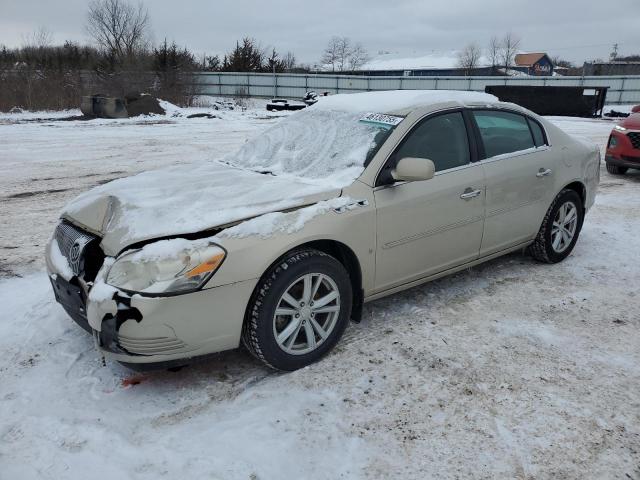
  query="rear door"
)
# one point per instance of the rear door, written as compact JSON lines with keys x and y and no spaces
{"x":519,"y":171}
{"x":429,"y":226}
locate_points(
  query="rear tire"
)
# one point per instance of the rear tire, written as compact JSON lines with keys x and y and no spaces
{"x":616,"y":170}
{"x":560,"y":228}
{"x":289,"y":322}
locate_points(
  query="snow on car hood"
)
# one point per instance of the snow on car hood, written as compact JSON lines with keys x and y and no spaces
{"x":186,"y":199}
{"x":307,"y":157}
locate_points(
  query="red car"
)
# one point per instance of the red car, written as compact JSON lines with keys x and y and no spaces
{"x":623,"y":149}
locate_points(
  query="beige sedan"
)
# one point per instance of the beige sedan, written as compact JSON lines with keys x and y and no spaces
{"x":279,"y":245}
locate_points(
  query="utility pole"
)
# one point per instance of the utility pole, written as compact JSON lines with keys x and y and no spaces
{"x":614,"y":53}
{"x":275,"y":82}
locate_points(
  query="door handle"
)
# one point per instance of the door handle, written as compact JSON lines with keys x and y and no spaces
{"x":470,"y":193}
{"x":543,"y":172}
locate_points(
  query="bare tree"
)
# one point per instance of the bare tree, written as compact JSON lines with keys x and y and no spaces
{"x":289,"y":61}
{"x":493,"y":53}
{"x":469,"y":58}
{"x":344,"y":52}
{"x":330,"y":55}
{"x":40,"y":38}
{"x":509,"y":48}
{"x":341,"y":55}
{"x":358,"y":57}
{"x":118,"y":27}
{"x":337,"y":54}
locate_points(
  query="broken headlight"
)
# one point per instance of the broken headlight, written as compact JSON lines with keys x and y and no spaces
{"x":161,"y":268}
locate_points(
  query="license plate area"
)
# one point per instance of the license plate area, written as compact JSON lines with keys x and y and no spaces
{"x":73,"y":300}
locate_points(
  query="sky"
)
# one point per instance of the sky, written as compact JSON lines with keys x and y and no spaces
{"x":576,"y":30}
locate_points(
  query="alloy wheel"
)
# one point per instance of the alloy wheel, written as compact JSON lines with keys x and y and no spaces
{"x":306,"y":313}
{"x":564,"y":227}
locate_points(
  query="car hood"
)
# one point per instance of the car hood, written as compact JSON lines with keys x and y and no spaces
{"x":186,"y":199}
{"x":632,"y":122}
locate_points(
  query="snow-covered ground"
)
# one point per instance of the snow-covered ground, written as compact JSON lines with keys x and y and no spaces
{"x":509,"y":370}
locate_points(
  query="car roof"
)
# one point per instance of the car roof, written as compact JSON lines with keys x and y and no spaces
{"x":402,"y":102}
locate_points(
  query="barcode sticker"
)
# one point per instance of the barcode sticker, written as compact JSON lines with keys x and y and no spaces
{"x":381,"y":119}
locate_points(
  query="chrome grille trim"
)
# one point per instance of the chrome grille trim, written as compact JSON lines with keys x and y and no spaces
{"x":72,"y":242}
{"x":151,"y":346}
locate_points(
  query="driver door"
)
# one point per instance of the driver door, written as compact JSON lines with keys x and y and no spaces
{"x":426,"y":227}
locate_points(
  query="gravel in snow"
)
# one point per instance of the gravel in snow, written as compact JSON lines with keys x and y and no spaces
{"x":512,"y":369}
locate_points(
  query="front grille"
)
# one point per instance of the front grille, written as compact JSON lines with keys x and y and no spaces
{"x":81,"y":249}
{"x":150,"y":346}
{"x":635,"y":139}
{"x":72,"y":243}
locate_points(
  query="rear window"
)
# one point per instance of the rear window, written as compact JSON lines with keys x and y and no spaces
{"x":503,"y":132}
{"x":538,"y":134}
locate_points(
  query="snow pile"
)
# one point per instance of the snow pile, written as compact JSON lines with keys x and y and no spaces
{"x":283,"y":222}
{"x":217,"y":103}
{"x":202,"y":105}
{"x":170,"y":109}
{"x":397,"y":100}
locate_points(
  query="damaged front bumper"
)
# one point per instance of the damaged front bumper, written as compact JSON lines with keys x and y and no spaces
{"x":136,"y":329}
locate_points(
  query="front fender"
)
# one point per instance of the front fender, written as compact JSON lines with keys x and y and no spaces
{"x":250,"y":256}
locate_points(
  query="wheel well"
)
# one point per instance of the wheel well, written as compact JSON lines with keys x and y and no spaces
{"x":349,"y":260}
{"x":579,"y":189}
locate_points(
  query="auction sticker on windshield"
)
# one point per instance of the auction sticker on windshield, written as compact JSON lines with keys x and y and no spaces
{"x":381,"y":119}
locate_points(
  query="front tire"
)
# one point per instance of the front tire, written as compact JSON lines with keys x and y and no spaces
{"x":298,"y":310}
{"x":560,"y":228}
{"x":616,"y":170}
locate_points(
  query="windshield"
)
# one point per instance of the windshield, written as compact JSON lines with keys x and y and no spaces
{"x":330,"y":146}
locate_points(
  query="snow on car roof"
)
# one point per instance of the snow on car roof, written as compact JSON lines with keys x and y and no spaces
{"x":397,"y":100}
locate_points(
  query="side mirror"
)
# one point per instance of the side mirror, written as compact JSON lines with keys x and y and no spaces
{"x":411,"y":169}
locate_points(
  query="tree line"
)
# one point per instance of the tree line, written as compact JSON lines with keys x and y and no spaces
{"x":499,"y":55}
{"x":120,"y":60}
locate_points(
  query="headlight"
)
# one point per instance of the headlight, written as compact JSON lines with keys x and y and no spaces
{"x":620,"y":128}
{"x":162,"y":268}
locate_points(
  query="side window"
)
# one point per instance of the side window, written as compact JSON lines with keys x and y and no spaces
{"x":503,"y":132}
{"x":442,"y":139}
{"x":538,"y":134}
